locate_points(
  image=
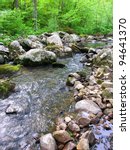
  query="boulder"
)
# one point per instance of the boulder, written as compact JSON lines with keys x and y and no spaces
{"x":55,"y":39}
{"x":35,"y":57}
{"x":88,"y":106}
{"x":47,"y":142}
{"x":62,"y":136}
{"x":83,"y":144}
{"x":16,"y":49}
{"x":71,"y":38}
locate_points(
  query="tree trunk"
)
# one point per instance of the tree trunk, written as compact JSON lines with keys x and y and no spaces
{"x":35,"y":14}
{"x":16,"y":4}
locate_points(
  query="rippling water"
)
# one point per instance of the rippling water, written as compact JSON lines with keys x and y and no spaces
{"x":41,"y":95}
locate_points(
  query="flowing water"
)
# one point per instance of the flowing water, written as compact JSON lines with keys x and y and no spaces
{"x":41,"y":95}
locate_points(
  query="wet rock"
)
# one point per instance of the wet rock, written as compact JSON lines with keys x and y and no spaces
{"x":88,"y":106}
{"x":83,"y":144}
{"x":35,"y":57}
{"x":69,"y":146}
{"x":70,"y":81}
{"x":67,"y":50}
{"x":47,"y":142}
{"x":107,"y":127}
{"x":62,"y":136}
{"x":73,"y":127}
{"x":75,"y":75}
{"x":90,"y":136}
{"x":55,"y":40}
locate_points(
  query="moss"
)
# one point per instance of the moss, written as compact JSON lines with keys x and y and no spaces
{"x":107,"y":94}
{"x":5,"y":88}
{"x":99,"y":81}
{"x":8,"y":70}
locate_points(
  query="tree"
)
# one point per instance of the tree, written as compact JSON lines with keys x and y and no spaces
{"x":35,"y":14}
{"x":16,"y":4}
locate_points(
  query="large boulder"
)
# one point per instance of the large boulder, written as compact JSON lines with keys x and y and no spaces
{"x":88,"y":106}
{"x":47,"y":142}
{"x":54,"y":39}
{"x":35,"y":57}
{"x":71,"y":38}
{"x":83,"y":144}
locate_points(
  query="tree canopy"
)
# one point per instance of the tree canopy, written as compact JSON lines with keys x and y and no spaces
{"x":21,"y":17}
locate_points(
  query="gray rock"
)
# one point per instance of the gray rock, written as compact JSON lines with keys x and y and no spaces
{"x":3,"y":49}
{"x":36,"y":57}
{"x":2,"y":60}
{"x":71,"y":38}
{"x":55,"y":40}
{"x":47,"y":142}
{"x":88,"y":106}
{"x":62,"y":136}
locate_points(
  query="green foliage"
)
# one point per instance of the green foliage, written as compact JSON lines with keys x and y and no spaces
{"x":80,"y":16}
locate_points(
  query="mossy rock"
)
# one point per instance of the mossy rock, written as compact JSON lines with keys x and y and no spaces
{"x":7,"y":70}
{"x":106,"y":93}
{"x":6,"y":87}
{"x":99,"y":81}
{"x":83,"y":74}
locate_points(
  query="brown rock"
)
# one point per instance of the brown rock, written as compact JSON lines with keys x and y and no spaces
{"x":62,"y":136}
{"x":83,"y":144}
{"x":73,"y":127}
{"x":90,"y":136}
{"x":69,"y":146}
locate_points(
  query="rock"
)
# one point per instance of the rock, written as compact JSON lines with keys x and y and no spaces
{"x":75,"y":75}
{"x":12,"y":109}
{"x":107,"y":93}
{"x":107,"y":84}
{"x":3,"y":49}
{"x":16,"y":49}
{"x":67,"y":119}
{"x":62,"y":136}
{"x":71,"y":38}
{"x":67,"y":50}
{"x":33,"y":38}
{"x":62,"y":126}
{"x":2,"y":60}
{"x":88,"y":106}
{"x":55,"y":40}
{"x":70,"y":81}
{"x":108,"y":111}
{"x":35,"y":57}
{"x":90,"y":136}
{"x":59,"y":121}
{"x":107,"y":127}
{"x":5,"y":88}
{"x":83,"y":144}
{"x":78,"y":85}
{"x":83,"y":119}
{"x":73,"y":127}
{"x":69,"y":146}
{"x":47,"y":142}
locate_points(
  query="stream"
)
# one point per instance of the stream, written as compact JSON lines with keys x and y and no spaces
{"x":41,"y":95}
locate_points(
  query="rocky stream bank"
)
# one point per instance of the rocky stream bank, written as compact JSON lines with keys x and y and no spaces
{"x":75,"y":79}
